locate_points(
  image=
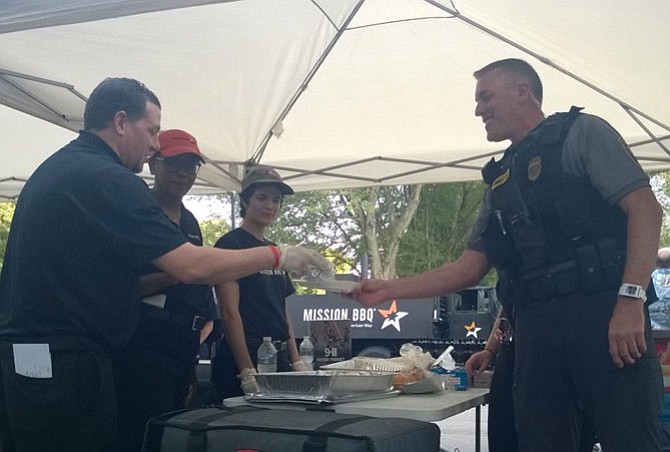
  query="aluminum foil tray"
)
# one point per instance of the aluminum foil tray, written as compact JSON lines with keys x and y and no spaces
{"x":320,"y":400}
{"x":379,"y":364}
{"x":324,"y":384}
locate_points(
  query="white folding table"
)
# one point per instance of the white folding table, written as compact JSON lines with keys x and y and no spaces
{"x":423,"y":407}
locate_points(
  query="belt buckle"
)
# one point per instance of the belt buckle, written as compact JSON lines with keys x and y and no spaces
{"x":197,"y":323}
{"x":280,"y":345}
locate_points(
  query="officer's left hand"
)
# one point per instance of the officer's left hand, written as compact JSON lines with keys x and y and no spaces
{"x":626,"y":332}
{"x":299,"y":366}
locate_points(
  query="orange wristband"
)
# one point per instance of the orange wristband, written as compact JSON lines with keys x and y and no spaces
{"x":276,"y":254}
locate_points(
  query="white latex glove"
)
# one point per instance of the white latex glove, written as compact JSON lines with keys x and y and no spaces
{"x":305,"y":263}
{"x":299,"y":366}
{"x":248,"y":381}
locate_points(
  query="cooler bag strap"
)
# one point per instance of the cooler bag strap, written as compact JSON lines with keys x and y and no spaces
{"x":153,"y":432}
{"x":197,"y":427}
{"x":317,"y":441}
{"x":202,"y":423}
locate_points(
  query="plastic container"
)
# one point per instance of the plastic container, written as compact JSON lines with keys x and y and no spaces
{"x":307,"y":352}
{"x":266,"y":357}
{"x":456,"y":379}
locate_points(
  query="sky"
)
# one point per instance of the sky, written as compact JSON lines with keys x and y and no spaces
{"x":206,"y":207}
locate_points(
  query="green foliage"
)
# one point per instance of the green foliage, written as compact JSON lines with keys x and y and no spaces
{"x":321,"y":220}
{"x":660,"y":184}
{"x":212,"y":230}
{"x":6,"y":214}
{"x":440,"y":227}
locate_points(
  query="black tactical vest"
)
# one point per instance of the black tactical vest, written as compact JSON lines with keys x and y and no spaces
{"x":550,"y":232}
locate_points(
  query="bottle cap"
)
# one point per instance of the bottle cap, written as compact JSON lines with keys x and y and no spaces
{"x":267,"y":339}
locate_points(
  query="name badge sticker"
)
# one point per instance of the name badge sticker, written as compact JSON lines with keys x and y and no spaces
{"x":32,"y":360}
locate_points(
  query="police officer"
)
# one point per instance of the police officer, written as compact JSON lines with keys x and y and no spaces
{"x":571,"y":225}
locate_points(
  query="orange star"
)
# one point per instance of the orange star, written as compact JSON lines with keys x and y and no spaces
{"x":387,"y":312}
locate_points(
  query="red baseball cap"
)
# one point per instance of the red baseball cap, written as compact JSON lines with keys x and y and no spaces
{"x":176,"y":142}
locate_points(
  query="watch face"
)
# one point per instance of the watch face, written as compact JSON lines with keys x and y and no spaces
{"x":632,"y":291}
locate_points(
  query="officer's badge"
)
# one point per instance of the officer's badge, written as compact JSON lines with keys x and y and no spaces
{"x":534,"y":168}
{"x":500,"y":179}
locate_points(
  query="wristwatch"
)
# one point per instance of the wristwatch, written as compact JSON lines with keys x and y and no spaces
{"x":633,"y":291}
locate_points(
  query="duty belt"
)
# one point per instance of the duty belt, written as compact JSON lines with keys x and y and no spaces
{"x":192,"y":322}
{"x":563,"y":279}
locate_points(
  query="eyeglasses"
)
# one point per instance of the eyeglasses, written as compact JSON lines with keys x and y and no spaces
{"x":175,"y":165}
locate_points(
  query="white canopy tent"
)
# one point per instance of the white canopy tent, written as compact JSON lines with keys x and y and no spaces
{"x":334,"y":93}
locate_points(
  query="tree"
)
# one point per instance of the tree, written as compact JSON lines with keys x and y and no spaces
{"x":6,"y":214}
{"x":380,"y":222}
{"x":441,"y":226}
{"x":660,"y":184}
{"x":384,"y":215}
{"x":348,"y":223}
{"x":212,"y":229}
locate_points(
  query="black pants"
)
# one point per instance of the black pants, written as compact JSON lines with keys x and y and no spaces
{"x":564,"y":375}
{"x":224,"y":370}
{"x":501,"y":429}
{"x":148,"y":383}
{"x":74,"y":411}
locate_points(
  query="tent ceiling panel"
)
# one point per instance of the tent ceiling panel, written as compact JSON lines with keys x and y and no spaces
{"x":335,"y":93}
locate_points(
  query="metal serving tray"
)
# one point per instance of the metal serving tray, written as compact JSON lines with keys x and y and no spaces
{"x":320,"y":400}
{"x":324,"y":384}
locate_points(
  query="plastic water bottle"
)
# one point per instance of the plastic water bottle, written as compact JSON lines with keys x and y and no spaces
{"x":307,"y":352}
{"x":266,"y":357}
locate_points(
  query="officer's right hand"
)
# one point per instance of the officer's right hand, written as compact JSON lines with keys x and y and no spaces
{"x":370,"y":292}
{"x":478,"y":362}
{"x":304,"y":262}
{"x":248,"y":381}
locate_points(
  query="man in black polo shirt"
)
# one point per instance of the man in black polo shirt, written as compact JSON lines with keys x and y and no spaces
{"x":83,"y":228}
{"x":153,"y":372}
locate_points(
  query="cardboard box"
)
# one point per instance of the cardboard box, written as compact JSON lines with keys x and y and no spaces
{"x":482,"y":379}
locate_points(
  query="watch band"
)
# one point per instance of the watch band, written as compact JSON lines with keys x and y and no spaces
{"x":633,"y":291}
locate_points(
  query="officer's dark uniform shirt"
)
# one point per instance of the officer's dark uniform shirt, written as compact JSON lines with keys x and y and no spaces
{"x":262,"y":295}
{"x":168,"y":344}
{"x":587,"y":152}
{"x":84,"y":226}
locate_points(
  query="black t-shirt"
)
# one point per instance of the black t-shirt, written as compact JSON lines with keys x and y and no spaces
{"x":189,"y":299}
{"x":162,"y":343}
{"x":262,"y":295}
{"x":83,"y":228}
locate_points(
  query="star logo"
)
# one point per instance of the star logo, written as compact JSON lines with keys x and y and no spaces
{"x":392,"y":316}
{"x":472,"y":330}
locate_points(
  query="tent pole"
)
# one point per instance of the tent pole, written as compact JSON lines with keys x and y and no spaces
{"x":303,"y":86}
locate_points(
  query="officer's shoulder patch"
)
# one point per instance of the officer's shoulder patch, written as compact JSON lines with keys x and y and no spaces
{"x":534,"y":168}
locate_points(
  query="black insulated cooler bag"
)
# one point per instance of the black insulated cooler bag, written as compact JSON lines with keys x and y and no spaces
{"x":252,"y":429}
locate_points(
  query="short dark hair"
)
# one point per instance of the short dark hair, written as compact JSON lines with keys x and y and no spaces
{"x":517,"y":67}
{"x":113,"y":95}
{"x":246,"y":195}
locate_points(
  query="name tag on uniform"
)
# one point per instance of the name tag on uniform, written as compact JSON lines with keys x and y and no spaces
{"x":32,"y":360}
